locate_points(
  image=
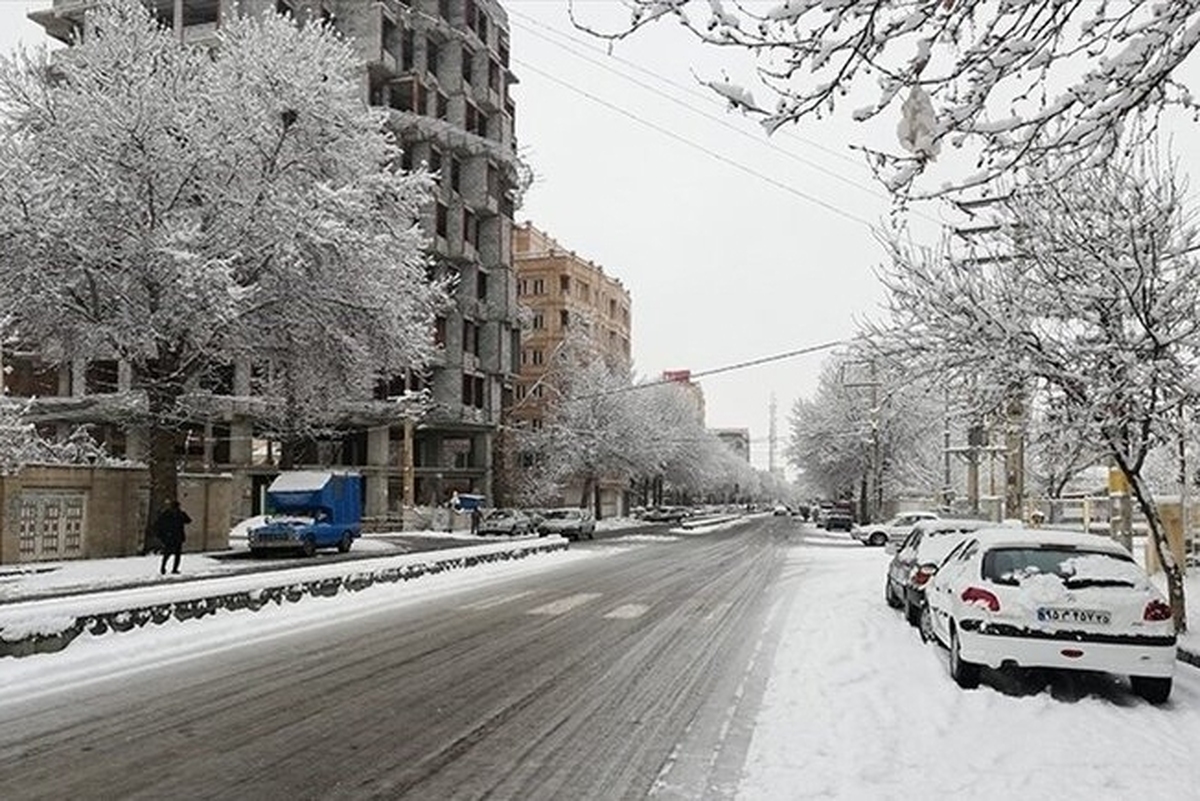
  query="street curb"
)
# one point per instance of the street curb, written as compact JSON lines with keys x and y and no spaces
{"x":194,"y":608}
{"x":1190,"y":657}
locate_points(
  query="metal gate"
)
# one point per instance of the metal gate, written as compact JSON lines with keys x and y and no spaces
{"x":51,"y":526}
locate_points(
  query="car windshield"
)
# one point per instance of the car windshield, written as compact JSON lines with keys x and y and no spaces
{"x":495,"y":513}
{"x":562,"y":514}
{"x":1076,"y":568}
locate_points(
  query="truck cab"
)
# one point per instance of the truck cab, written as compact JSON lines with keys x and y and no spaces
{"x":308,"y":510}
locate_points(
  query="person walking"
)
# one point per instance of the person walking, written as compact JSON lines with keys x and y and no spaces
{"x":169,"y":528}
{"x":476,"y":516}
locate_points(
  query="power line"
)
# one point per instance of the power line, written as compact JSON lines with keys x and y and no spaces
{"x":871,"y":190}
{"x":791,"y":354}
{"x":711,"y":153}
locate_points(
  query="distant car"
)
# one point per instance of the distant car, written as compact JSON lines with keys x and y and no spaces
{"x":781,"y":509}
{"x":512,"y":522}
{"x":574,"y":524}
{"x":665,"y":514}
{"x":837,"y":520}
{"x":917,"y":559}
{"x":1040,"y":598}
{"x":894,"y":530}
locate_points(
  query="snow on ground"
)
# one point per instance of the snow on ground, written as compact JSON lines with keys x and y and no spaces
{"x":857,"y":707}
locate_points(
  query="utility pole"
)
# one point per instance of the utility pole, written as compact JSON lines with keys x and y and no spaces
{"x":771,"y":439}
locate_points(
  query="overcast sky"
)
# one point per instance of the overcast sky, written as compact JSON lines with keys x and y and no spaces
{"x":734,"y":247}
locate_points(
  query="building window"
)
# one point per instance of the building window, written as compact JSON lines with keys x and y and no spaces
{"x":564,"y":285}
{"x":435,"y":160}
{"x":470,"y":228}
{"x":443,"y":216}
{"x":524,"y":357}
{"x":481,"y":285}
{"x":539,"y":321}
{"x":470,"y":337}
{"x":439,"y":331}
{"x":472,"y":391}
{"x":494,"y":76}
{"x":100,"y":376}
{"x":468,"y":58}
{"x":585,"y":292}
{"x":444,"y":9}
{"x":520,"y":392}
{"x":539,"y":286}
{"x":612,"y":307}
{"x":564,"y":319}
{"x":536,"y":356}
{"x":443,"y":106}
{"x":433,"y":56}
{"x":408,"y":44}
{"x":455,"y":175}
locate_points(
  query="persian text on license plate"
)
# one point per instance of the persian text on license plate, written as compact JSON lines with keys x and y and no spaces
{"x":1050,"y":614}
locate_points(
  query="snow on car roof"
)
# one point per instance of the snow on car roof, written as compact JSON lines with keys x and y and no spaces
{"x":1000,"y":536}
{"x":300,"y":481}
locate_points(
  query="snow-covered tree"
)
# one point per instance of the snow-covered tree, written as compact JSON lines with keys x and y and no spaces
{"x":180,"y":208}
{"x":1015,"y":81}
{"x":1087,"y":290}
{"x":837,"y":435}
{"x":22,"y":444}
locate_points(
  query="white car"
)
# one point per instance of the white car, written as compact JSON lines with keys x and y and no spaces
{"x":1036,"y":598}
{"x":894,"y":530}
{"x":574,"y":524}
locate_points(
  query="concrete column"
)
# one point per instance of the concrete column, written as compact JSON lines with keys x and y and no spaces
{"x":375,"y":502}
{"x":241,"y":504}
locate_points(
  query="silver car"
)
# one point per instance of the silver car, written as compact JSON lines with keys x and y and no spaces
{"x":574,"y":524}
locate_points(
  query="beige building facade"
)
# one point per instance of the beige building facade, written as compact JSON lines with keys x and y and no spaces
{"x":565,"y":294}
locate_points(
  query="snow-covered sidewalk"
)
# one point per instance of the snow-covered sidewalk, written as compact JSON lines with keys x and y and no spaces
{"x":857,"y":707}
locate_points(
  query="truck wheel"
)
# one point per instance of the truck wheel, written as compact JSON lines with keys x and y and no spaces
{"x":309,"y":547}
{"x":344,"y":543}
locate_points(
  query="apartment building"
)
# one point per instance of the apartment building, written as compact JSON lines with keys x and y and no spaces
{"x":565,"y":294}
{"x":441,"y":70}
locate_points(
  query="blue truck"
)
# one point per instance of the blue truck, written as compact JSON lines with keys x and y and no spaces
{"x":307,"y":510}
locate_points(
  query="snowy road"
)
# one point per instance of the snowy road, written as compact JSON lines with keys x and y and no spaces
{"x":630,"y":672}
{"x":759,"y":663}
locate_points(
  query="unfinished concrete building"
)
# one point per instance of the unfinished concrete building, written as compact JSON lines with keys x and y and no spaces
{"x":441,"y":69}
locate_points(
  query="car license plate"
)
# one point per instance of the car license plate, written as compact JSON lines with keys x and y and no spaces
{"x":1050,"y":614}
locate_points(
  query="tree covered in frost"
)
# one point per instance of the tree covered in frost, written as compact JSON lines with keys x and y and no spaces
{"x":1014,"y":82}
{"x":868,"y":421}
{"x":182,"y":208}
{"x":1086,"y":292}
{"x":22,"y":444}
{"x":598,"y":425}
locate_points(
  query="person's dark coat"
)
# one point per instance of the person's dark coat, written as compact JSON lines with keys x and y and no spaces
{"x":169,"y":527}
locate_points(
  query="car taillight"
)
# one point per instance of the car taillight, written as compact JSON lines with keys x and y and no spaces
{"x":1156,"y":610}
{"x":923,"y":574}
{"x":981,"y":596}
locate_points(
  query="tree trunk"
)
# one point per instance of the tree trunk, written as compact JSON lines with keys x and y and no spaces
{"x":160,"y":379}
{"x":1158,"y":539}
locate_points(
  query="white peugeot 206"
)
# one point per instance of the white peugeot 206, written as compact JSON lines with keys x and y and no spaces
{"x":1035,"y":598}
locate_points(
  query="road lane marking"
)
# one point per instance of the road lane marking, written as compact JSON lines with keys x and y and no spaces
{"x":564,"y":604}
{"x":488,"y":603}
{"x":627,"y":612}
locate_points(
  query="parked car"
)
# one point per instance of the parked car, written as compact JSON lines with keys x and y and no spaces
{"x":665,"y":514}
{"x":894,"y":530}
{"x":917,"y":559}
{"x":1039,"y":598}
{"x":837,"y":520}
{"x":781,"y":509}
{"x":574,"y":524}
{"x":512,"y":522}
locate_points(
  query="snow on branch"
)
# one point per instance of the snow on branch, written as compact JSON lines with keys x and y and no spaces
{"x":984,"y":67}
